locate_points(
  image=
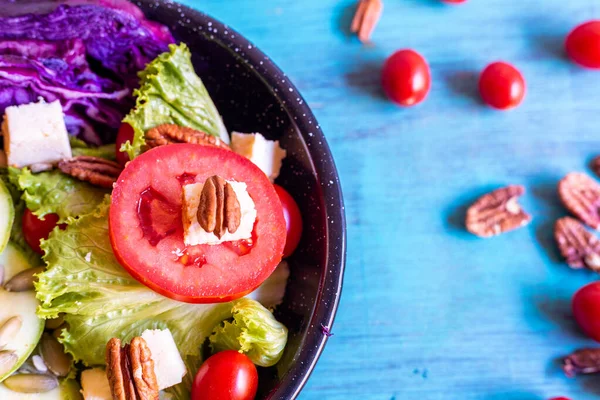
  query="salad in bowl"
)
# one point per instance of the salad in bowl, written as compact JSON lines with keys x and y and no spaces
{"x":143,"y":246}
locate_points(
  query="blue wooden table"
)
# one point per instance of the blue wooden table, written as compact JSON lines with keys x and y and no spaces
{"x":429,"y":311}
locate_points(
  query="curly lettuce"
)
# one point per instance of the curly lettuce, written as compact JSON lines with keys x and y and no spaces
{"x":253,"y":331}
{"x":100,"y":300}
{"x":172,"y":93}
{"x":54,"y":192}
{"x":81,"y":148}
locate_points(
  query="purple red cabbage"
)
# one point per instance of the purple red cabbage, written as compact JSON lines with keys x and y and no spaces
{"x":86,"y":56}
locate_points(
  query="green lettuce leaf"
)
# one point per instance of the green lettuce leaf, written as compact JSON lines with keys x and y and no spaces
{"x":172,"y":93}
{"x":54,"y":192}
{"x":16,"y":233}
{"x":254,"y":331}
{"x":81,"y":148}
{"x":101,"y":300}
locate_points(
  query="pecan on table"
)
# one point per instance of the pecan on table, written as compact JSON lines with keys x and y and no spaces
{"x":577,"y":245}
{"x":580,"y":194}
{"x":497,"y":212}
{"x":219,"y":209}
{"x":130,"y":370}
{"x":366,"y":18}
{"x":95,"y":170}
{"x":584,"y":361}
{"x":169,"y":133}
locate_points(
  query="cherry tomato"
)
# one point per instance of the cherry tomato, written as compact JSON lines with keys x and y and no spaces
{"x":227,"y":375}
{"x":125,"y":134}
{"x":405,"y":78}
{"x":502,"y":86}
{"x":583,"y":44}
{"x":586,"y":309}
{"x":293,"y":221}
{"x":454,"y":1}
{"x":35,"y":229}
{"x":560,"y":398}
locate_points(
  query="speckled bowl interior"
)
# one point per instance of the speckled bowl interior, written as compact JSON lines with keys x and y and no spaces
{"x":253,"y":95}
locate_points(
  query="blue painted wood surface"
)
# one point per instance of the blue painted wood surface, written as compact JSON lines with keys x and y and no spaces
{"x":429,"y":311}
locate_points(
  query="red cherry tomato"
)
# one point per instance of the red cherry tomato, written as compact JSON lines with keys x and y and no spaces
{"x":35,"y":229}
{"x":227,"y":375}
{"x":406,"y":79}
{"x":560,"y":398}
{"x":502,"y":86}
{"x":586,"y":309}
{"x":454,"y":1}
{"x":293,"y":221}
{"x":583,"y":44}
{"x":125,"y":134}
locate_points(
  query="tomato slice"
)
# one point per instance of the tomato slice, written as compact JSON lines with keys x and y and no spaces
{"x":146,"y":229}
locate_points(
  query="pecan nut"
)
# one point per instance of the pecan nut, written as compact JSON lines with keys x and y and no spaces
{"x":95,"y":170}
{"x":130,"y":370}
{"x":497,"y":212}
{"x":580,"y":194}
{"x":578,"y":246}
{"x":365,"y":18}
{"x":584,"y":361}
{"x":169,"y":133}
{"x":219,"y":209}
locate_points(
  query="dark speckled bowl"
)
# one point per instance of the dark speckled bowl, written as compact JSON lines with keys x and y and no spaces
{"x":253,"y":95}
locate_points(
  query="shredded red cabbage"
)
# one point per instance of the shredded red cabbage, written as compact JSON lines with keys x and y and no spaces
{"x":86,"y":56}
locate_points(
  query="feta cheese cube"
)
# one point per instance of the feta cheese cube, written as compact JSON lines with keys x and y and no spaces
{"x":168,"y":365}
{"x":265,"y":154}
{"x":194,"y":234}
{"x":94,"y":385}
{"x":35,"y":134}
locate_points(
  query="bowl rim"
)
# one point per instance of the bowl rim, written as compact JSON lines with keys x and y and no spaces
{"x":330,"y":286}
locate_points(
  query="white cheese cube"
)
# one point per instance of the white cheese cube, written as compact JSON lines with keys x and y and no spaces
{"x":94,"y":385}
{"x":194,"y":234}
{"x":168,"y":365}
{"x":265,"y":154}
{"x":35,"y":133}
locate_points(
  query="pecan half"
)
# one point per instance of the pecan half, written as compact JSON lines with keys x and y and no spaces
{"x":578,"y":246}
{"x":95,"y":170}
{"x":497,"y":212}
{"x":170,"y":133}
{"x":365,"y":19}
{"x":130,"y":370}
{"x":584,"y":361}
{"x":219,"y":209}
{"x":580,"y":194}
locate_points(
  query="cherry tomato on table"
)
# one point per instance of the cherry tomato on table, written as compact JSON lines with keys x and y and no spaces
{"x":293,"y":221}
{"x":406,"y":78}
{"x":583,"y":44}
{"x":36,"y":229}
{"x":125,"y":134}
{"x":560,"y":398}
{"x":502,"y":86}
{"x":227,"y":375}
{"x":586,"y":309}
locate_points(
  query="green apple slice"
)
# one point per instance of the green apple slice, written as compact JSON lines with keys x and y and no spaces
{"x":22,"y":304}
{"x":7,"y":215}
{"x":68,"y":390}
